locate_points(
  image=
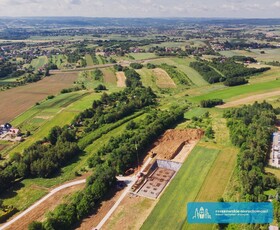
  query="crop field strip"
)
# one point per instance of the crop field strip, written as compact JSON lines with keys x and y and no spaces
{"x":17,"y":100}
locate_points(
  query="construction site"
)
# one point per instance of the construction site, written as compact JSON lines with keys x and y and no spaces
{"x":168,"y":153}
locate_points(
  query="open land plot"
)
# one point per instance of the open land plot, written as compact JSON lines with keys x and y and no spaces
{"x":36,"y":116}
{"x":163,"y":80}
{"x":131,"y":213}
{"x":121,"y":79}
{"x":109,"y":76}
{"x":182,"y":189}
{"x":17,"y":100}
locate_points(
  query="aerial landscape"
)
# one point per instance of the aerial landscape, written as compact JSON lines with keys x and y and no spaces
{"x":113,"y":121}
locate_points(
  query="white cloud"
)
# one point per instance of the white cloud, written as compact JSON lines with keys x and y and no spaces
{"x":230,"y":6}
{"x":276,"y":4}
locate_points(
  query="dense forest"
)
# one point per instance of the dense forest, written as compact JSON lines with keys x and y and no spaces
{"x":208,"y":73}
{"x":250,"y":129}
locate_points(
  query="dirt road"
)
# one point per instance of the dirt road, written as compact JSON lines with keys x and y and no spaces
{"x":52,"y":193}
{"x":250,"y":99}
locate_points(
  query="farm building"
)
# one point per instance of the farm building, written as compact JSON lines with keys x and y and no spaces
{"x":9,"y":133}
{"x":275,"y":151}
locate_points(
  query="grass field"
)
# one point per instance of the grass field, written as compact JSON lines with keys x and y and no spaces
{"x":109,"y":76}
{"x":147,"y":78}
{"x":274,"y":171}
{"x":170,"y":212}
{"x":60,"y":60}
{"x":89,"y":60}
{"x":39,"y":62}
{"x":232,"y":93}
{"x":269,"y":55}
{"x":141,"y":56}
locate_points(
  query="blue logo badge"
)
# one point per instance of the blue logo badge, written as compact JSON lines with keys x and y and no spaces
{"x":229,"y":212}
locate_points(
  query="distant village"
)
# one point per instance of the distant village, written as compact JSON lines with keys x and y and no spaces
{"x":9,"y":133}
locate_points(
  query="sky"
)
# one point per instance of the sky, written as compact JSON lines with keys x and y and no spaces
{"x":142,"y":8}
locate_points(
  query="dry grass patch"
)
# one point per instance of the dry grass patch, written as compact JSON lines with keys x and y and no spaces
{"x":163,"y":80}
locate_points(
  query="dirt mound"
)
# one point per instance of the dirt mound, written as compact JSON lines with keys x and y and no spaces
{"x":172,"y":142}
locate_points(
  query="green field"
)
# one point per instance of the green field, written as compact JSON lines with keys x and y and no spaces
{"x":170,"y":211}
{"x":269,"y":55}
{"x":147,"y":78}
{"x":183,"y":65}
{"x":60,"y":60}
{"x":89,"y":60}
{"x":39,"y":62}
{"x":237,"y":91}
{"x":274,"y":171}
{"x":53,"y":114}
{"x":141,"y":56}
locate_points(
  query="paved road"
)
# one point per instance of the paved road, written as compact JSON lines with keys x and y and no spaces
{"x":42,"y":200}
{"x":130,"y":183}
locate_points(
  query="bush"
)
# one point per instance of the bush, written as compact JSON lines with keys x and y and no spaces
{"x":211,"y":103}
{"x":136,"y":65}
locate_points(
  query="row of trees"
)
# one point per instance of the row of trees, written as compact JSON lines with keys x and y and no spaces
{"x":176,"y":74}
{"x":113,"y":107}
{"x":250,"y":129}
{"x":211,"y":103}
{"x":121,"y":152}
